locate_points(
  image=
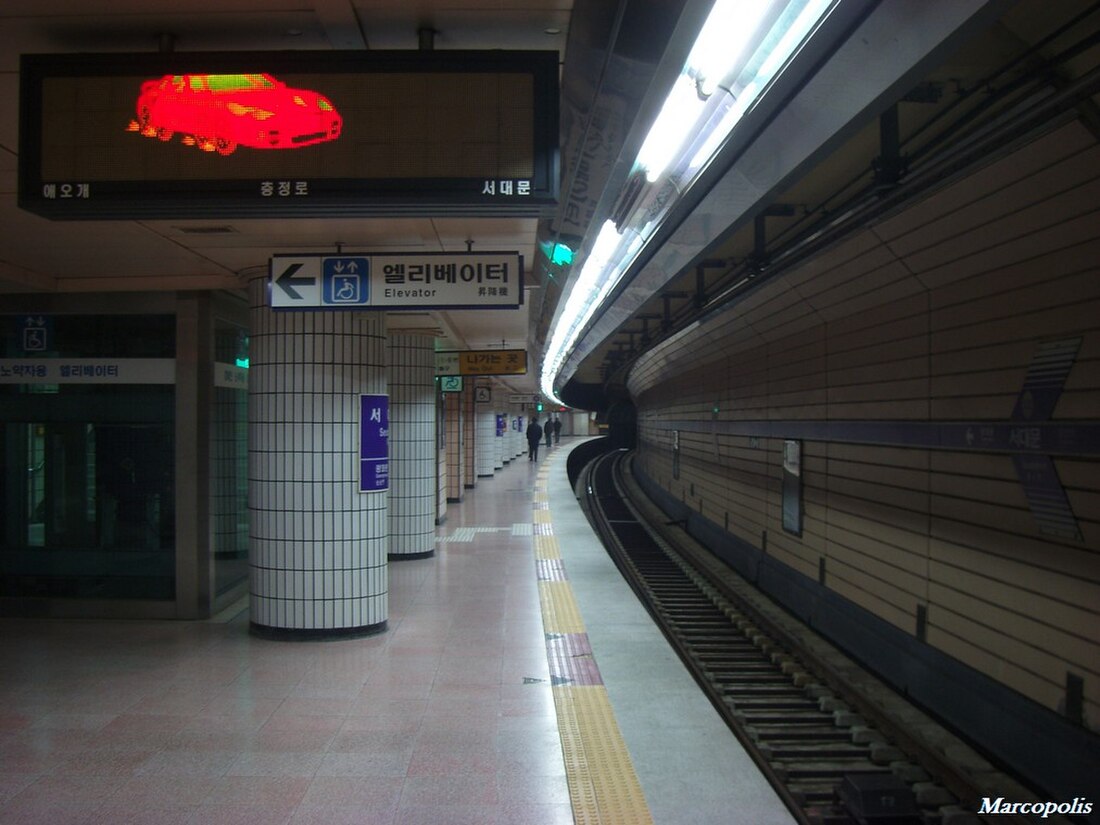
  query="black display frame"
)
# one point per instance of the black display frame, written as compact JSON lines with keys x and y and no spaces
{"x":181,"y":199}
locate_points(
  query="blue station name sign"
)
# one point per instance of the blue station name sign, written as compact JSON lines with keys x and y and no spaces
{"x":374,"y":443}
{"x":425,"y":280}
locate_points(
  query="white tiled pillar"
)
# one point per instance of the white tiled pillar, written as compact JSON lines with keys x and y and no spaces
{"x":516,"y":441}
{"x":498,"y":440}
{"x":469,"y":439}
{"x":441,"y":478}
{"x":317,"y":553}
{"x":521,"y":438}
{"x":486,"y":449}
{"x":413,"y":456}
{"x":506,"y":447}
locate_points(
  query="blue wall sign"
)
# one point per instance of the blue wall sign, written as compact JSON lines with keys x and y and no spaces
{"x":374,"y":443}
{"x":35,"y":334}
{"x":345,"y":280}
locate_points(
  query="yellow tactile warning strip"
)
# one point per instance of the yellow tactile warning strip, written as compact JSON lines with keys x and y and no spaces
{"x":559,"y":609}
{"x":546,"y":547}
{"x":603,"y":786}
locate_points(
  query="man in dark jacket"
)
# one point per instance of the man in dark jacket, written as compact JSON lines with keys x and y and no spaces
{"x":534,"y":436}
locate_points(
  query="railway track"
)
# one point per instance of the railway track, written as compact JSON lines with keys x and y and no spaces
{"x":831,"y":753}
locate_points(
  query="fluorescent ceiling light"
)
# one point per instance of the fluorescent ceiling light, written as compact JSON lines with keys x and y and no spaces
{"x":727,"y":31}
{"x":743,"y":46}
{"x":723,"y":39}
{"x":789,"y":32}
{"x":589,"y":290}
{"x":683,"y":105}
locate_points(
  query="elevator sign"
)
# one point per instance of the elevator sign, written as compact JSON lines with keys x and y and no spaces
{"x":345,"y":281}
{"x":421,"y":281}
{"x":36,"y":334}
{"x":374,"y":443}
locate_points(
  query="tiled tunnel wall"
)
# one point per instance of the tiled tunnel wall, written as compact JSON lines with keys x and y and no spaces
{"x":938,"y":314}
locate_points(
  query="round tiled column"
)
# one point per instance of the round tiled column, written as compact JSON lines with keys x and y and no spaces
{"x":499,"y":440}
{"x":517,"y":443}
{"x":469,"y":437}
{"x":486,"y":449}
{"x":317,"y":552}
{"x":413,"y":457}
{"x":506,"y":441}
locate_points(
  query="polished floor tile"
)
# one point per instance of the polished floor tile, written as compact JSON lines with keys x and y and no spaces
{"x":447,"y":717}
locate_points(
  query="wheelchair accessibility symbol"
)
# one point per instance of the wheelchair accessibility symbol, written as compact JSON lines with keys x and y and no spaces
{"x":37,"y":333}
{"x":345,"y":289}
{"x":345,"y":281}
{"x":34,"y":339}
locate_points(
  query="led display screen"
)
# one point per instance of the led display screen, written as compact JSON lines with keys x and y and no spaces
{"x":290,"y":133}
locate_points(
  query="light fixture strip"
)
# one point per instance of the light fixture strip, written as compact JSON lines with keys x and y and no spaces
{"x":740,"y":50}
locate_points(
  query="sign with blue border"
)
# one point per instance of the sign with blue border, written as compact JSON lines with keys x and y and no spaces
{"x":421,"y":280}
{"x":374,"y":443}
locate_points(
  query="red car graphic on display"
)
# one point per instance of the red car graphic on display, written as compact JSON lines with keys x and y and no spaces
{"x":219,"y":112}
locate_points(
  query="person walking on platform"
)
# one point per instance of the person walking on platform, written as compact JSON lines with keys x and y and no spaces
{"x":549,"y":432}
{"x":534,"y":436}
{"x":557,"y":430}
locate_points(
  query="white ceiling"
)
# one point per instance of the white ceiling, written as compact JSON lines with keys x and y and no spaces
{"x":38,"y":255}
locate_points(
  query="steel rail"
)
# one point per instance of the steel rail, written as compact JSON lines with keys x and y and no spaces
{"x":805,"y":726}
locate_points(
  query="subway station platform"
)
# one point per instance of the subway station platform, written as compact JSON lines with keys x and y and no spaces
{"x":519,"y":681}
